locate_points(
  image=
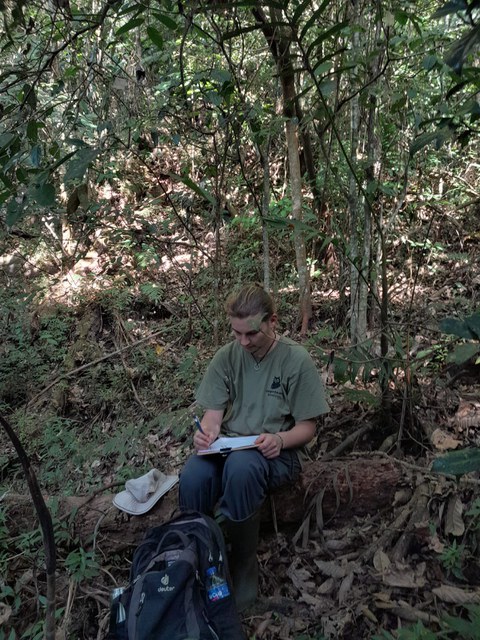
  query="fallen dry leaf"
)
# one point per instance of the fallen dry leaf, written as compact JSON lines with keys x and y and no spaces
{"x":435,"y":544}
{"x":5,"y":612}
{"x":467,"y":415}
{"x":454,"y":524}
{"x":381,"y":561}
{"x":443,"y":441}
{"x":326,"y":587}
{"x":345,"y":587}
{"x":400,"y":575}
{"x":456,"y":595}
{"x":334,"y":569}
{"x":301,"y":578}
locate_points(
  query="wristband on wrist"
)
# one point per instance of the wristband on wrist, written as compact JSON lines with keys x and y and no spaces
{"x":281,"y":440}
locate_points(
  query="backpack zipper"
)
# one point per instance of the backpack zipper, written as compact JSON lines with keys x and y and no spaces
{"x":141,"y":602}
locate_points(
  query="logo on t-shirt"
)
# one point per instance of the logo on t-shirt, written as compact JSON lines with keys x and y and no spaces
{"x":275,"y":389}
{"x":275,"y":382}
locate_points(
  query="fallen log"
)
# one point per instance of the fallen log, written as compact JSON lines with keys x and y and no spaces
{"x":342,"y":488}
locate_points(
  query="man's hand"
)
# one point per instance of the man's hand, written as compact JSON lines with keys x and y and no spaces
{"x":211,"y":421}
{"x":202,"y":440}
{"x":270,"y":445}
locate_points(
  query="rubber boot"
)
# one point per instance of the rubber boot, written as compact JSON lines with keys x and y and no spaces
{"x":243,"y":537}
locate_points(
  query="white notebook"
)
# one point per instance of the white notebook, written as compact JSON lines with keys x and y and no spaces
{"x":225,"y":445}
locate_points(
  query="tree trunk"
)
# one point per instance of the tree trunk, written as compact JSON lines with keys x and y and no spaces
{"x":356,"y":335}
{"x":280,"y":48}
{"x":264,"y":155}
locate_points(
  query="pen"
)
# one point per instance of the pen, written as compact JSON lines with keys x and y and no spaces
{"x":198,"y":424}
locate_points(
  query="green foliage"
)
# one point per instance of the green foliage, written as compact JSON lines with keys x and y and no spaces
{"x":452,"y":628}
{"x":474,"y":513}
{"x":467,"y":629}
{"x":82,"y":565}
{"x":467,"y":328}
{"x":115,"y":299}
{"x":456,"y":112}
{"x":57,"y":444}
{"x":414,"y":632}
{"x":458,"y":463}
{"x":152,"y":291}
{"x":32,"y":346}
{"x":4,"y":539}
{"x":453,"y":558}
{"x":79,"y":98}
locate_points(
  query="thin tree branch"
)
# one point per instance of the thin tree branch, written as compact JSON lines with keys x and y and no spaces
{"x":46,"y":526}
{"x":87,"y":365}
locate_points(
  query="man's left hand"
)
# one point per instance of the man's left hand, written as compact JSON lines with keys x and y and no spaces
{"x":270,"y":445}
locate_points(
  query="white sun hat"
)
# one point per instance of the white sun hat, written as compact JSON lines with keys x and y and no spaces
{"x":141,"y":494}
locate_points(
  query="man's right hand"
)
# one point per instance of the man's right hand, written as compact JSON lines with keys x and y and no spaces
{"x":211,"y":421}
{"x":202,"y":440}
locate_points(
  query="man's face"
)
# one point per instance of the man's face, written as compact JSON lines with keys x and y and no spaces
{"x":254,"y":334}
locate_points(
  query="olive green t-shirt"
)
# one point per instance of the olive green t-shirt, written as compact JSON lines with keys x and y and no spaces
{"x":284,"y":389}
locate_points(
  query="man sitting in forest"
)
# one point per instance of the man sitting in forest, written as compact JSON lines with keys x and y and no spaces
{"x":260,"y":384}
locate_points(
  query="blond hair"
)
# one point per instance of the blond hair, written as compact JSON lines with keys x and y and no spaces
{"x":250,"y":300}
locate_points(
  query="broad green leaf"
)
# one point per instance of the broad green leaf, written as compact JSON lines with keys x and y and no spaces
{"x":464,"y":352}
{"x":456,"y":327}
{"x":439,"y":137}
{"x":326,"y":34}
{"x":194,"y":187}
{"x":299,"y":11}
{"x":340,"y":368}
{"x":36,"y":155}
{"x":360,"y":395}
{"x":44,"y":194}
{"x":461,"y":49}
{"x":355,"y":362}
{"x":6,"y":139}
{"x":398,"y":102}
{"x":76,"y":142}
{"x":457,"y":463}
{"x":429,"y":62}
{"x":128,"y":26}
{"x":6,"y":180}
{"x":313,"y":20}
{"x":401,"y":17}
{"x":473,"y":323}
{"x":214,"y":98}
{"x":14,"y":211}
{"x":326,"y":87}
{"x":61,"y":160}
{"x":221,"y":75}
{"x":166,"y":20}
{"x":466,"y":629}
{"x":32,"y":130}
{"x":322,"y":68}
{"x":29,"y":96}
{"x":138,"y":8}
{"x":79,"y":165}
{"x":156,"y":37}
{"x":451,"y":7}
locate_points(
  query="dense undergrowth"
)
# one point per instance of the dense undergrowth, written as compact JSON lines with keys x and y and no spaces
{"x":98,"y":380}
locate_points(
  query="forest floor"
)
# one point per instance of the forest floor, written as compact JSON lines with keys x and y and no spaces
{"x":409,"y":567}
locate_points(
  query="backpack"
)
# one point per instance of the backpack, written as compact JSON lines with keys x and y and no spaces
{"x":168,"y":596}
